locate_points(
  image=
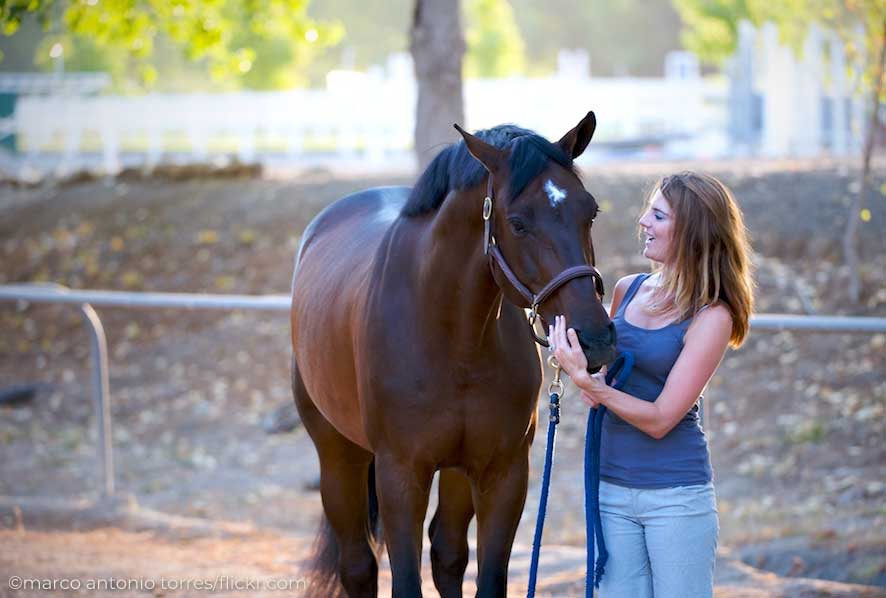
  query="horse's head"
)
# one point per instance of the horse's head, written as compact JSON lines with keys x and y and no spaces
{"x":542,"y":228}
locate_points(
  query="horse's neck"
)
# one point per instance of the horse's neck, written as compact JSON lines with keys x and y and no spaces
{"x":457,"y":272}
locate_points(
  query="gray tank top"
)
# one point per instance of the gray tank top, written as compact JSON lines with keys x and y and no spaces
{"x":630,"y":457}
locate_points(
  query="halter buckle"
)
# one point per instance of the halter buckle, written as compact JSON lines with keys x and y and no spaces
{"x":487,"y":208}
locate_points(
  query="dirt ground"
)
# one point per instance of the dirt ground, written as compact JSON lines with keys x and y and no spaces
{"x":795,"y":420}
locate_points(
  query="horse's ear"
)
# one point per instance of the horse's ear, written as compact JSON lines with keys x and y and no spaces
{"x":489,"y":156}
{"x":575,"y":141}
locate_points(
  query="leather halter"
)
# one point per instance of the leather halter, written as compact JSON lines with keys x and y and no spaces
{"x":490,"y":248}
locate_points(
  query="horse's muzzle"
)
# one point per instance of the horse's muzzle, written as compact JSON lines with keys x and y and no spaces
{"x":599,"y":348}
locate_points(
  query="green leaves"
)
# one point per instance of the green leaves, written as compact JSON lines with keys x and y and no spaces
{"x":713,"y":24}
{"x":227,"y":36}
{"x":495,"y":47}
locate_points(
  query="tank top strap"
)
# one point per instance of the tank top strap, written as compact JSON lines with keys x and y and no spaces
{"x":632,"y":290}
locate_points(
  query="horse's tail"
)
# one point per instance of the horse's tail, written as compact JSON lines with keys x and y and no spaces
{"x":323,"y":566}
{"x":324,"y":577}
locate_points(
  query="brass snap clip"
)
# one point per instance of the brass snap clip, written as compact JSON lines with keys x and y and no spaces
{"x":556,"y":386}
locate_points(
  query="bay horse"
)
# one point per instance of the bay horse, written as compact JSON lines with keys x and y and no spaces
{"x":412,"y":353}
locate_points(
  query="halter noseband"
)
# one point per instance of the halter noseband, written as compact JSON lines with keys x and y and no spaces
{"x":490,"y":248}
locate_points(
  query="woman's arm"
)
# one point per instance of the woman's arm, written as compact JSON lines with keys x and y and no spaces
{"x":618,"y":293}
{"x":703,"y":348}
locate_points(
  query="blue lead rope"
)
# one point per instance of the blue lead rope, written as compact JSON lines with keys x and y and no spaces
{"x":616,"y":376}
{"x":619,"y":372}
{"x":553,"y":420}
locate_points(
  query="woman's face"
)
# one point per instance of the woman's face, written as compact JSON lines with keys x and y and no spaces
{"x":658,"y":226}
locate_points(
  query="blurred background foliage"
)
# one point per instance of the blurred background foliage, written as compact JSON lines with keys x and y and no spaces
{"x":183,"y":45}
{"x":711,"y":27}
{"x":495,"y":46}
{"x":186,"y":45}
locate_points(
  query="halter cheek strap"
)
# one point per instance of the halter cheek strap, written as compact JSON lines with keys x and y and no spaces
{"x":487,"y":217}
{"x":548,"y":290}
{"x":491,"y":249}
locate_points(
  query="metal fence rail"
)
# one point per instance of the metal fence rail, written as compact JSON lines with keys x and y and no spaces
{"x":58,"y":294}
{"x":86,"y":300}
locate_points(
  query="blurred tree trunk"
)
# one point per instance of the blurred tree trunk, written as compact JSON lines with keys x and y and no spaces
{"x":850,"y":237}
{"x":438,"y":47}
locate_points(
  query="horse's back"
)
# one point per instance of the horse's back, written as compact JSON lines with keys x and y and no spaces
{"x":329,"y":287}
{"x":365,"y":214}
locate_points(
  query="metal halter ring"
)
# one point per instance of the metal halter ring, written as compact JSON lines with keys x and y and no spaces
{"x":487,"y":208}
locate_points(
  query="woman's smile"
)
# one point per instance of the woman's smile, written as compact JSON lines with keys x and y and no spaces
{"x":657,"y":225}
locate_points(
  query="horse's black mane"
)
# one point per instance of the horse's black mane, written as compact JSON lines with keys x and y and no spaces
{"x":455,"y":169}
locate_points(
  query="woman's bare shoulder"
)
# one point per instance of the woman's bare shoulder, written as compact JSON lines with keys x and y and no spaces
{"x":714,"y":319}
{"x":621,"y":287}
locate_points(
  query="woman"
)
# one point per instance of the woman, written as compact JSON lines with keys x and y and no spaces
{"x":657,"y":500}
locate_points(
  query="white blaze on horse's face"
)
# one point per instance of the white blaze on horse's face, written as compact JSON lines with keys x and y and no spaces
{"x":555,"y":194}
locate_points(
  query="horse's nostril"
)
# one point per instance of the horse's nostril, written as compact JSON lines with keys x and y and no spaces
{"x":603,"y":338}
{"x":588,"y":342}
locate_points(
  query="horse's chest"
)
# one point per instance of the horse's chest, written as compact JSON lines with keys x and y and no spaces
{"x":452,"y":407}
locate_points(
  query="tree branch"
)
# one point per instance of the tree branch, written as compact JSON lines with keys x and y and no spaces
{"x":850,"y":237}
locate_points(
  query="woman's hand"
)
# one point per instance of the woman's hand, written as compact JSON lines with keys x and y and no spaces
{"x":567,"y":349}
{"x":588,"y":400}
{"x":572,"y":360}
{"x":592,"y":396}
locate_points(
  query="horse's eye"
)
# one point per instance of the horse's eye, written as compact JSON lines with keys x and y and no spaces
{"x":517,"y":226}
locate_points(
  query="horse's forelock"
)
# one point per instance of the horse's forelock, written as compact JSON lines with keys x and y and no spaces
{"x":530,"y":155}
{"x":455,"y":169}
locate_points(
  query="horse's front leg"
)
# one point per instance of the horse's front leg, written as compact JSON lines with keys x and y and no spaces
{"x":501,"y":495}
{"x":449,"y":533}
{"x":403,"y":490}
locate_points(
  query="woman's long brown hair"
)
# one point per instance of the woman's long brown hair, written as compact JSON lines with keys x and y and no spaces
{"x":711,"y":260}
